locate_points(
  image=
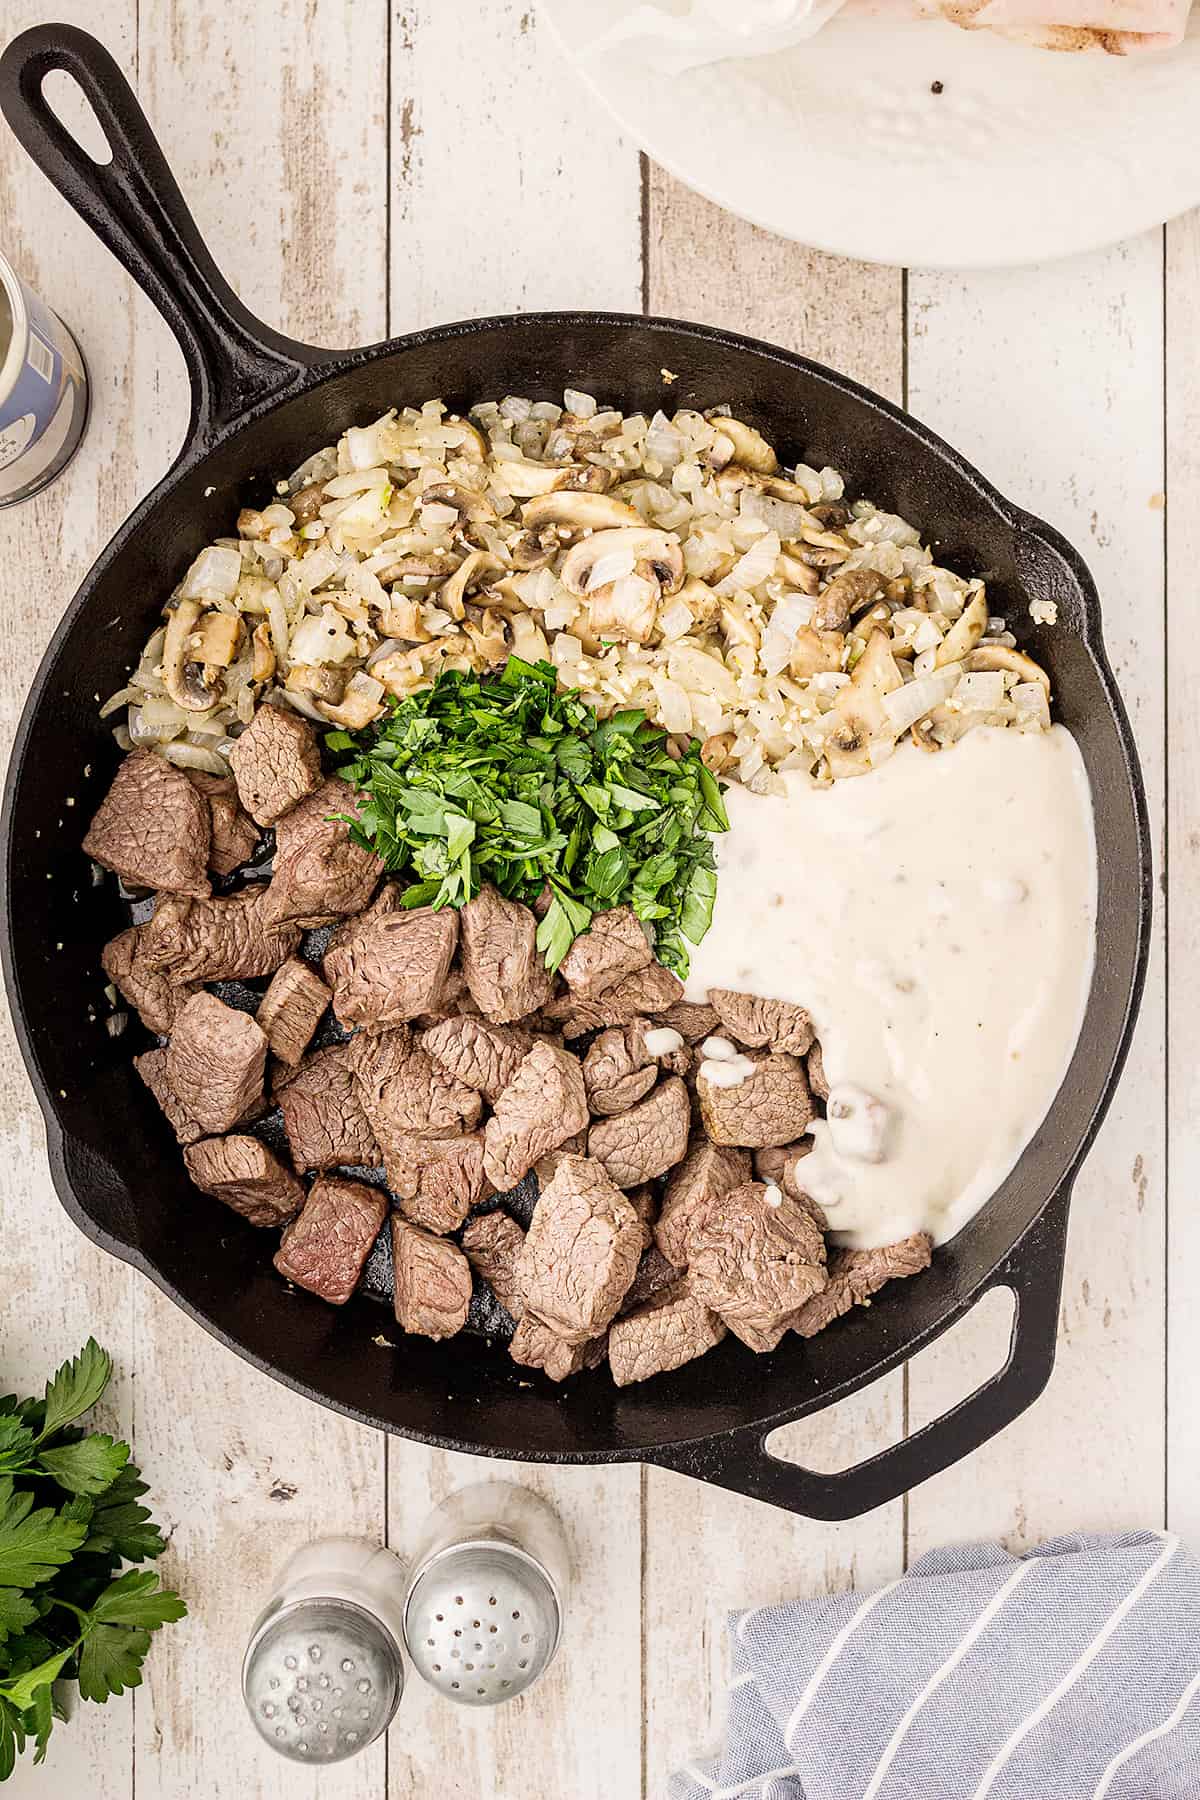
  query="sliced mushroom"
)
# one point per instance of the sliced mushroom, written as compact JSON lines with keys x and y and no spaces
{"x":306,"y":505}
{"x":815,"y":652}
{"x":714,"y":751}
{"x":831,"y":513}
{"x":750,"y":448}
{"x":428,"y":566}
{"x":592,"y":478}
{"x":522,"y":477}
{"x":701,"y":602}
{"x":999,"y":656}
{"x":876,"y":618}
{"x":473,"y":447}
{"x":317,"y":679}
{"x":780,"y":488}
{"x":528,"y":551}
{"x":847,"y":594}
{"x":798,"y":574}
{"x":965,"y":632}
{"x":401,"y":618}
{"x":476,"y":508}
{"x":216,"y":639}
{"x":857,"y":714}
{"x":528,"y":638}
{"x":361,"y":703}
{"x":182,"y":676}
{"x":475,"y":567}
{"x":656,"y":556}
{"x":625,"y":609}
{"x":573,"y":513}
{"x":263,"y":666}
{"x":503,"y":597}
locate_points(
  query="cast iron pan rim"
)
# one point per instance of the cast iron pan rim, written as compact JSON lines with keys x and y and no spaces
{"x":328,"y":370}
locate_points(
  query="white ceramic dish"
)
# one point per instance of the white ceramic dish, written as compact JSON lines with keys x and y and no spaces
{"x":1025,"y":155}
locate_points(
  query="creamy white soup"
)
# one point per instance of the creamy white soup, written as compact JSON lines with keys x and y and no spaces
{"x":937,"y":919}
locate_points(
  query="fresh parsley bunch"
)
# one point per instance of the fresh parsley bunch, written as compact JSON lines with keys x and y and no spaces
{"x":69,"y":1517}
{"x":504,"y":779}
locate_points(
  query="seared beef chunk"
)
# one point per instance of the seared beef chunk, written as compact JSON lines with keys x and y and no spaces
{"x":692,"y":1021}
{"x":325,"y":1246}
{"x":581,"y":1251}
{"x":770,"y":1105}
{"x":153,"y":827}
{"x":615,"y":946}
{"x":667,"y":1332}
{"x":617,"y":1070}
{"x":707,"y":1172}
{"x":323,"y":1113}
{"x":854,"y":1275}
{"x":216,"y":940}
{"x":647,"y":1140}
{"x":542,"y":1106}
{"x":154,"y":997}
{"x":319,"y":872}
{"x":535,"y":1345}
{"x":247,"y":1176}
{"x":654,"y":1273}
{"x":433,"y":1281}
{"x":779,"y":1165}
{"x":644,"y":1202}
{"x":275,"y":763}
{"x":152,"y":1067}
{"x":393,"y":968}
{"x":405,"y":1093}
{"x":493,"y":1244}
{"x":816,"y":1073}
{"x":756,"y":1258}
{"x":485,"y":1056}
{"x":759,"y":1022}
{"x":649,"y":990}
{"x":502,"y":964}
{"x":546,"y":1167}
{"x":436,"y":1180}
{"x":234,"y":835}
{"x":215,"y":1062}
{"x":290,"y":1010}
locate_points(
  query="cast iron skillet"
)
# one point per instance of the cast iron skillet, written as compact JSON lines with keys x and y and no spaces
{"x":260,"y":403}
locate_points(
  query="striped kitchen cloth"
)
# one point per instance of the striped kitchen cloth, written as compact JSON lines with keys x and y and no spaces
{"x":1069,"y":1673}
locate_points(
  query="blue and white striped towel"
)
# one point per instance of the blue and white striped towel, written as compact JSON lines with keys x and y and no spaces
{"x":1069,"y":1673}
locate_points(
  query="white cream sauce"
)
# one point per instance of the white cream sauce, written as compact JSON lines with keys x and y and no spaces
{"x":937,"y":919}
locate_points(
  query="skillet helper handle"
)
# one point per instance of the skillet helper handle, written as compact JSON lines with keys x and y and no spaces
{"x":1034,"y":1272}
{"x":134,"y":206}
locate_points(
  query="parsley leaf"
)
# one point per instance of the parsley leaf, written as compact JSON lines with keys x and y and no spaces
{"x":33,"y":1544}
{"x":16,"y":1613}
{"x":135,"y":1598}
{"x":507,"y":780}
{"x":119,"y":1526}
{"x":88,"y":1467}
{"x":111,"y":1660}
{"x":75,"y":1387}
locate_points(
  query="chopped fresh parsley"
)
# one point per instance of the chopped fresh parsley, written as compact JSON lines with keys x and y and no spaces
{"x":504,"y":779}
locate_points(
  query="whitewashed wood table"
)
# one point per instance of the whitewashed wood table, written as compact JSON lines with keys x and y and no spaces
{"x":360,"y":171}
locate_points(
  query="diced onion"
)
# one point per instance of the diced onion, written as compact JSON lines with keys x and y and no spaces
{"x":917,"y":698}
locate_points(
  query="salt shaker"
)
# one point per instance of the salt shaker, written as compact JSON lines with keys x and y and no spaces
{"x":487,"y":1594}
{"x":323,"y":1673}
{"x":43,"y":391}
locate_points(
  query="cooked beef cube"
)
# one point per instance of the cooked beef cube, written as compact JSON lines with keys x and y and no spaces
{"x":756,"y":1258}
{"x":649,"y":990}
{"x":234,"y":835}
{"x":644,"y":1202}
{"x":404,"y":1092}
{"x":617,"y":1071}
{"x":215,"y":1062}
{"x":290,"y":1010}
{"x":152,"y":1067}
{"x":616,"y":945}
{"x":323,"y":1113}
{"x":707,"y":1172}
{"x":483,"y":1055}
{"x":671,"y":1329}
{"x":325,"y":1246}
{"x":275,"y":763}
{"x":502,"y":964}
{"x":535,"y":1345}
{"x":543,"y":1105}
{"x":581,"y":1251}
{"x":349,"y":935}
{"x":770,"y":1104}
{"x":779,"y":1165}
{"x":654,"y":1273}
{"x":432,"y":1281}
{"x":436,"y":1180}
{"x":647,"y":1140}
{"x":393,"y":968}
{"x":546,"y":1167}
{"x":154,"y":996}
{"x":692,"y":1021}
{"x":816,"y":1073}
{"x":493,"y":1245}
{"x":247,"y":1176}
{"x":216,"y":940}
{"x":757,"y":1022}
{"x":854,"y":1275}
{"x":320,"y":873}
{"x":153,"y":827}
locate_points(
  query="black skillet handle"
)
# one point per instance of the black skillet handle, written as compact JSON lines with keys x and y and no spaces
{"x":742,"y":1462}
{"x":134,"y":206}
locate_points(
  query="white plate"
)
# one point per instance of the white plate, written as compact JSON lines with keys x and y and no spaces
{"x":1024,"y":156}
